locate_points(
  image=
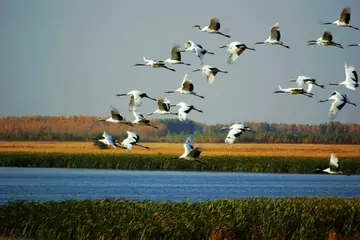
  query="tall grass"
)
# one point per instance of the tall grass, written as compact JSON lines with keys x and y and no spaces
{"x":163,"y":162}
{"x":297,"y":218}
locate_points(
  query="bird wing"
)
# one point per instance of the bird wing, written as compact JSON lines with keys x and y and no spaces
{"x":336,"y":106}
{"x":274,"y":32}
{"x":138,"y":115}
{"x":132,"y":136}
{"x":310,"y":87}
{"x":327,"y":36}
{"x":181,"y":113}
{"x":166,"y":104}
{"x":175,"y":53}
{"x":345,"y":15}
{"x":109,"y":139}
{"x":188,"y":145}
{"x":235,"y":51}
{"x":334,"y":161}
{"x":127,"y":144}
{"x":135,"y":101}
{"x":351,"y":75}
{"x":115,"y":114}
{"x":232,"y":135}
{"x":214,"y":24}
{"x":187,"y":85}
{"x":300,"y":80}
{"x":106,"y":135}
{"x":160,"y":104}
{"x":195,"y":153}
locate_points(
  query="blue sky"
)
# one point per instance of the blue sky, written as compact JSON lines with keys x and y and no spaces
{"x":71,"y":57}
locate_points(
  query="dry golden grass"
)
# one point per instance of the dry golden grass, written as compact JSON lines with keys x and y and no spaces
{"x":214,"y":149}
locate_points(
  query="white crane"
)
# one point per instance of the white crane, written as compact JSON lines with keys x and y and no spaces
{"x":141,"y":120}
{"x":191,"y":153}
{"x":132,"y":140}
{"x":274,"y":37}
{"x":187,"y":87}
{"x":353,"y":45}
{"x":135,"y":98}
{"x":301,"y":80}
{"x":108,"y":140}
{"x":164,"y":106}
{"x":175,"y":57}
{"x":184,"y":110}
{"x":210,"y":72}
{"x":351,"y":78}
{"x":115,"y":117}
{"x":325,"y":40}
{"x":334,"y":163}
{"x":213,"y":27}
{"x":339,"y":101}
{"x":235,"y":49}
{"x":154,"y":64}
{"x":344,"y":20}
{"x":294,"y":91}
{"x":235,"y":131}
{"x":191,"y":46}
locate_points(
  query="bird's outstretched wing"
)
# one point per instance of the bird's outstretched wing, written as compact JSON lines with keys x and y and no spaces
{"x":188,"y":145}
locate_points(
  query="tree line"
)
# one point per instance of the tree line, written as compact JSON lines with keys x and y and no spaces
{"x":83,"y":128}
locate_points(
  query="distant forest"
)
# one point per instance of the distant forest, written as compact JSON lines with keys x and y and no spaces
{"x":82,"y":128}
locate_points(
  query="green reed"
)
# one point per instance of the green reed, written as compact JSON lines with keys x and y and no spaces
{"x":262,"y":218}
{"x":163,"y":162}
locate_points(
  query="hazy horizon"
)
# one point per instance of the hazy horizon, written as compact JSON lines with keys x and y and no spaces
{"x":66,"y":58}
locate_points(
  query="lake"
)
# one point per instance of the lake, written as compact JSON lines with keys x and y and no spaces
{"x":45,"y":184}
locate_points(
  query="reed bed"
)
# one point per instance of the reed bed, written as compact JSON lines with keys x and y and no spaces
{"x":262,"y":218}
{"x":209,"y":149}
{"x":163,"y":162}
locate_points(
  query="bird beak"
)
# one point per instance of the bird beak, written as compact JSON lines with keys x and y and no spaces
{"x":196,"y":70}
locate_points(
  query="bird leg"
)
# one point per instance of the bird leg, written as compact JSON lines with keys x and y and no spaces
{"x":198,"y":95}
{"x":286,"y":46}
{"x":354,"y":104}
{"x":152,"y":126}
{"x":350,"y":26}
{"x":325,"y":100}
{"x":307,"y":94}
{"x":225,"y":35}
{"x":210,"y":53}
{"x":353,"y":45}
{"x":322,"y":86}
{"x":197,"y":110}
{"x":140,"y":145}
{"x":139,"y":64}
{"x":253,"y":49}
{"x":170,"y":92}
{"x":121,"y":94}
{"x":260,"y":43}
{"x":224,"y":46}
{"x":338,"y":45}
{"x":200,"y":162}
{"x":188,"y":64}
{"x":171,"y":69}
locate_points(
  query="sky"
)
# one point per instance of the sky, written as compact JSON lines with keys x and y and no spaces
{"x":71,"y":57}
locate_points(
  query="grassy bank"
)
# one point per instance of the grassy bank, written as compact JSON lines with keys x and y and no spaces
{"x":297,"y":218}
{"x":163,"y":162}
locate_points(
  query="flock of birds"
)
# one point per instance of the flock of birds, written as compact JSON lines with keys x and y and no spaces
{"x":234,"y":49}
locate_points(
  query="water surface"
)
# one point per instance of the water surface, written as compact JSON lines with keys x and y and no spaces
{"x":46,"y":184}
